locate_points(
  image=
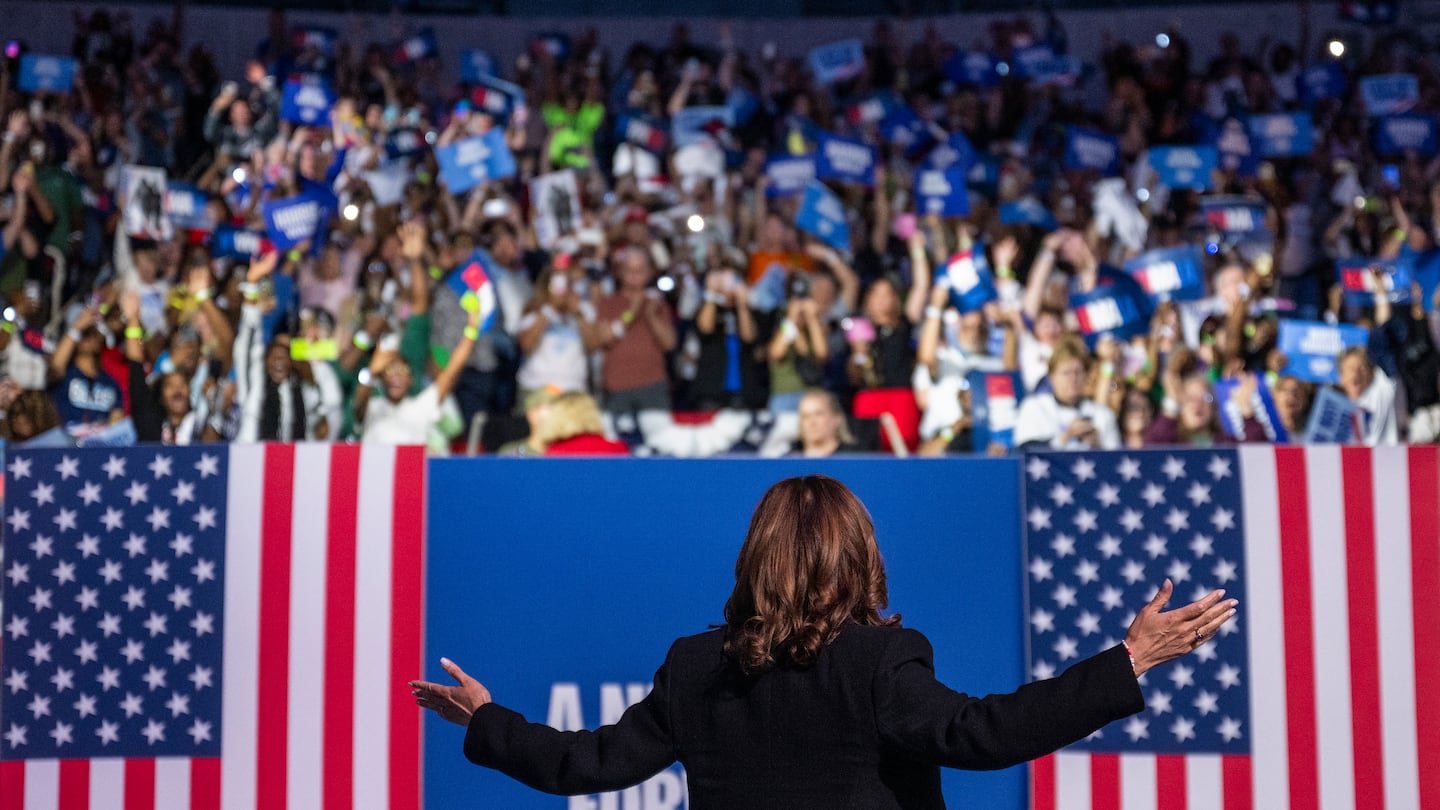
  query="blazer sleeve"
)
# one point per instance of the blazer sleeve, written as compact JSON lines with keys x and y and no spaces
{"x":636,"y":747}
{"x":923,"y":719}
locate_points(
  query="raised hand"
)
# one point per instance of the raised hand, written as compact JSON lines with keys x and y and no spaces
{"x":1156,"y":637}
{"x":454,"y":703}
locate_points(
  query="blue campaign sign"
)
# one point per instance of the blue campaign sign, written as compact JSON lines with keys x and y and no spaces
{"x":468,"y":163}
{"x":1233,"y":215}
{"x":1169,"y":274}
{"x":1095,"y":151}
{"x":294,"y":220}
{"x":475,"y":64}
{"x":318,"y":37}
{"x":307,"y":101}
{"x":46,"y":74}
{"x":496,"y":98}
{"x":1399,"y":134}
{"x":837,"y":61}
{"x":403,"y":143}
{"x":1359,"y":283}
{"x":1332,"y":418}
{"x":577,"y":668}
{"x":941,"y":191}
{"x":642,"y":132}
{"x":1323,"y":81}
{"x":822,"y":215}
{"x":984,"y":175}
{"x":1028,"y":211}
{"x":229,"y":242}
{"x":904,"y":129}
{"x":968,"y":276}
{"x":477,"y":276}
{"x":1184,"y":166}
{"x":743,"y":105}
{"x":1060,"y":69}
{"x":955,"y":152}
{"x":788,"y":175}
{"x":973,"y":68}
{"x":1262,"y":405}
{"x":1028,"y":60}
{"x":419,"y":46}
{"x":1389,"y":93}
{"x":1281,"y":134}
{"x":994,"y":407}
{"x":873,"y":109}
{"x":185,"y":205}
{"x":1311,"y":347}
{"x":1237,"y":151}
{"x":841,"y":159}
{"x":1118,"y":309}
{"x":694,"y":125}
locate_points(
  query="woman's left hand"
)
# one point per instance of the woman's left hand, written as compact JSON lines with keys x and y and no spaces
{"x":1156,"y":637}
{"x":453,"y":703}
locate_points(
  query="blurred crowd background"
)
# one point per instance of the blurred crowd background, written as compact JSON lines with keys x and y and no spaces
{"x":915,"y":241}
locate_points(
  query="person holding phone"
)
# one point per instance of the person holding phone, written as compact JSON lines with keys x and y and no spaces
{"x":808,"y":695}
{"x":1063,"y":418}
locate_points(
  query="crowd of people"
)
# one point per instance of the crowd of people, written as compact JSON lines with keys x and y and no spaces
{"x":675,"y":271}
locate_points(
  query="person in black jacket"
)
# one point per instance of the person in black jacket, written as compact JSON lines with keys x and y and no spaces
{"x":807,"y":696}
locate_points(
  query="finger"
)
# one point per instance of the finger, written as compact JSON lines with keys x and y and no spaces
{"x":1162,"y":596}
{"x":1200,"y":607}
{"x":1211,"y":627}
{"x":454,"y":670}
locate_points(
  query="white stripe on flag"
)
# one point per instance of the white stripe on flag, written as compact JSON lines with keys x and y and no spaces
{"x":1395,"y":617}
{"x":1072,"y":781}
{"x":373,"y":691}
{"x":42,"y":784}
{"x":1204,"y":780}
{"x":1330,"y":605}
{"x":172,"y":783}
{"x":107,"y":784}
{"x":305,"y":727}
{"x":1137,"y":781}
{"x":1263,"y":608}
{"x":243,"y":510}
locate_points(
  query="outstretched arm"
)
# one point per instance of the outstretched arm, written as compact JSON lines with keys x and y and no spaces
{"x":636,"y":747}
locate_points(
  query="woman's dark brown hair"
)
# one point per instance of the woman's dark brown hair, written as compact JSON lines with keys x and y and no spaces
{"x":808,"y":566}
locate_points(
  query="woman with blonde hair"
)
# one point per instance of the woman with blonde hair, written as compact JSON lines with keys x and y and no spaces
{"x":573,"y":427}
{"x":1063,"y":418}
{"x":809,"y":695}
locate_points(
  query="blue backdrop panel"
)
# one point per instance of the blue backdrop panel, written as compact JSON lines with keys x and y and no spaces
{"x":561,"y":583}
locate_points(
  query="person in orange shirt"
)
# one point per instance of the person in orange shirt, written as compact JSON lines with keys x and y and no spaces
{"x":776,"y":244}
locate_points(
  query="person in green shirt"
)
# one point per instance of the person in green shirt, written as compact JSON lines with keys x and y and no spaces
{"x":573,"y":124}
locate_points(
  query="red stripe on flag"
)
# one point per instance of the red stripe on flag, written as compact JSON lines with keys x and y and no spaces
{"x":1369,"y":760}
{"x":407,"y":598}
{"x":274,"y":657}
{"x":1425,"y":585}
{"x":1042,"y":783}
{"x":1170,"y":790}
{"x":74,"y":784}
{"x":1235,"y":779}
{"x":1300,"y":731}
{"x":12,"y":780}
{"x":340,"y":599}
{"x":140,"y":784}
{"x":1104,"y":780}
{"x":205,"y":783}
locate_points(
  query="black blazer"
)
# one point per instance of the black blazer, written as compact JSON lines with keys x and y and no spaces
{"x":868,"y":726}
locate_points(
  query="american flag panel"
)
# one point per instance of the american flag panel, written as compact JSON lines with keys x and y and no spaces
{"x":1310,"y":698}
{"x":211,"y":627}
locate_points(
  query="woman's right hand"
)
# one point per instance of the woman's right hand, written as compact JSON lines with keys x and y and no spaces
{"x":1155,"y":637}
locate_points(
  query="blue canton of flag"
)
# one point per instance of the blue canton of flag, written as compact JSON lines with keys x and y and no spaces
{"x":113,"y":639}
{"x":1102,"y":532}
